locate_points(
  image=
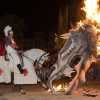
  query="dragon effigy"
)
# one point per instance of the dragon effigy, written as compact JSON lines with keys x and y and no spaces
{"x":83,"y":44}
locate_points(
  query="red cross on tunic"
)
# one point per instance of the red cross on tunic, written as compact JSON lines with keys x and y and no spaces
{"x":25,"y":74}
{"x":1,"y":71}
{"x":14,"y":44}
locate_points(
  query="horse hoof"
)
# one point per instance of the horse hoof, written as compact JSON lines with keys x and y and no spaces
{"x":46,"y":88}
{"x":23,"y":93}
{"x":1,"y":94}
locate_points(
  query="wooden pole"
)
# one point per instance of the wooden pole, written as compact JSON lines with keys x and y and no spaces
{"x":62,"y":25}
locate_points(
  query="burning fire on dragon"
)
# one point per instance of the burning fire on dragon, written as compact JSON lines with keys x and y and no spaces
{"x":84,"y":44}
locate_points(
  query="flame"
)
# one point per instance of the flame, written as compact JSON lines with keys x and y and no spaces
{"x":92,"y":17}
{"x":92,"y":10}
{"x":59,"y":87}
{"x":79,"y":24}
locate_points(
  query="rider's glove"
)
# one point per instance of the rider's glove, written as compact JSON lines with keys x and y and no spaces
{"x":16,"y":49}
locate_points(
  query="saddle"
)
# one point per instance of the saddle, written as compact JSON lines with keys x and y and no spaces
{"x":6,"y":57}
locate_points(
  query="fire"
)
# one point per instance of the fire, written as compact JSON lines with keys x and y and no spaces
{"x":79,"y":24}
{"x":98,"y":45}
{"x":92,"y":10}
{"x":59,"y":88}
{"x":92,"y":17}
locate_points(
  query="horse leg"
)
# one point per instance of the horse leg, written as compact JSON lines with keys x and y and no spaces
{"x":42,"y":84}
{"x":21,"y":89}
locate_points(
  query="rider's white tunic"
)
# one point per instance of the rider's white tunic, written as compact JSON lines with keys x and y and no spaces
{"x":12,"y":54}
{"x":29,"y":77}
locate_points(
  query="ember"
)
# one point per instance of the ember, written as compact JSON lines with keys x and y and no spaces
{"x":60,"y":88}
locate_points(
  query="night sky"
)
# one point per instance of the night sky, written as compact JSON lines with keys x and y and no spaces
{"x":39,"y":15}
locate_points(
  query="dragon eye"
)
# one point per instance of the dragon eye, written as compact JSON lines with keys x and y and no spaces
{"x":76,"y":59}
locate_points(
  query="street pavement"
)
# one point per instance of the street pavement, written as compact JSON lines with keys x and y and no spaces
{"x":46,"y":96}
{"x":11,"y":88}
{"x":37,"y":92}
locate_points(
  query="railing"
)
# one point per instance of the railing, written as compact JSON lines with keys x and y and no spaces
{"x":93,"y":72}
{"x":42,"y":73}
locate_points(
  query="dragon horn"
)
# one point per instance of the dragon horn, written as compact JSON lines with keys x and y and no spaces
{"x":66,"y":34}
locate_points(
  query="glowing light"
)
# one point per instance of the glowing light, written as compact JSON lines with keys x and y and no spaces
{"x":92,"y":18}
{"x":79,"y":24}
{"x":92,"y":10}
{"x":59,"y":88}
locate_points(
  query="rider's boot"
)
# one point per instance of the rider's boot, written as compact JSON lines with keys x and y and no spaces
{"x":22,"y":71}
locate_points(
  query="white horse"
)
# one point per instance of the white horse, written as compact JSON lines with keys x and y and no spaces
{"x":29,"y":77}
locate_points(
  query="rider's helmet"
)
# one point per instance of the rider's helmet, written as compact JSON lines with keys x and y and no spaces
{"x":7,"y":30}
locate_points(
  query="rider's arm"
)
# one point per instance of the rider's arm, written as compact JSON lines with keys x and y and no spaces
{"x":15,"y":48}
{"x":11,"y":45}
{"x":8,"y":43}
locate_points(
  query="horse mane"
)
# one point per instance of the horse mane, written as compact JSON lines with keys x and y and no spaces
{"x":33,"y":54}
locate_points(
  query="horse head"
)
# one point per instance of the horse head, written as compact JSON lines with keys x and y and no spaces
{"x":81,"y":45}
{"x":40,"y":61}
{"x":36,"y":56}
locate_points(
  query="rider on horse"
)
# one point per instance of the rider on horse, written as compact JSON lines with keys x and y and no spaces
{"x":12,"y":48}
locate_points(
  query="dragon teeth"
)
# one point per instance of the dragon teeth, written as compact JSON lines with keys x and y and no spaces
{"x":72,"y":46}
{"x":63,"y":55}
{"x":67,"y":51}
{"x":69,"y":48}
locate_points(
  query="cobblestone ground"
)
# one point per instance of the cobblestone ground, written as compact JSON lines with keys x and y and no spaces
{"x":11,"y":88}
{"x":46,"y":96}
{"x":36,"y":92}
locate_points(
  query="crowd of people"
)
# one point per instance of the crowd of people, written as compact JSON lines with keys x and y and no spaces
{"x":43,"y":72}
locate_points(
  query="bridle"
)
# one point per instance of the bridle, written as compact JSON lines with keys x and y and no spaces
{"x":37,"y":61}
{"x":41,"y":58}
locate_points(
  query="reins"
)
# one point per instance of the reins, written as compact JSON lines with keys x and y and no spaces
{"x":30,"y":59}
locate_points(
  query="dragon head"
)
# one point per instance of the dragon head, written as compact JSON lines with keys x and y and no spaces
{"x":81,"y":45}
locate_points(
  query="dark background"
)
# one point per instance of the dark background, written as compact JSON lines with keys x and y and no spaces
{"x":39,"y":15}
